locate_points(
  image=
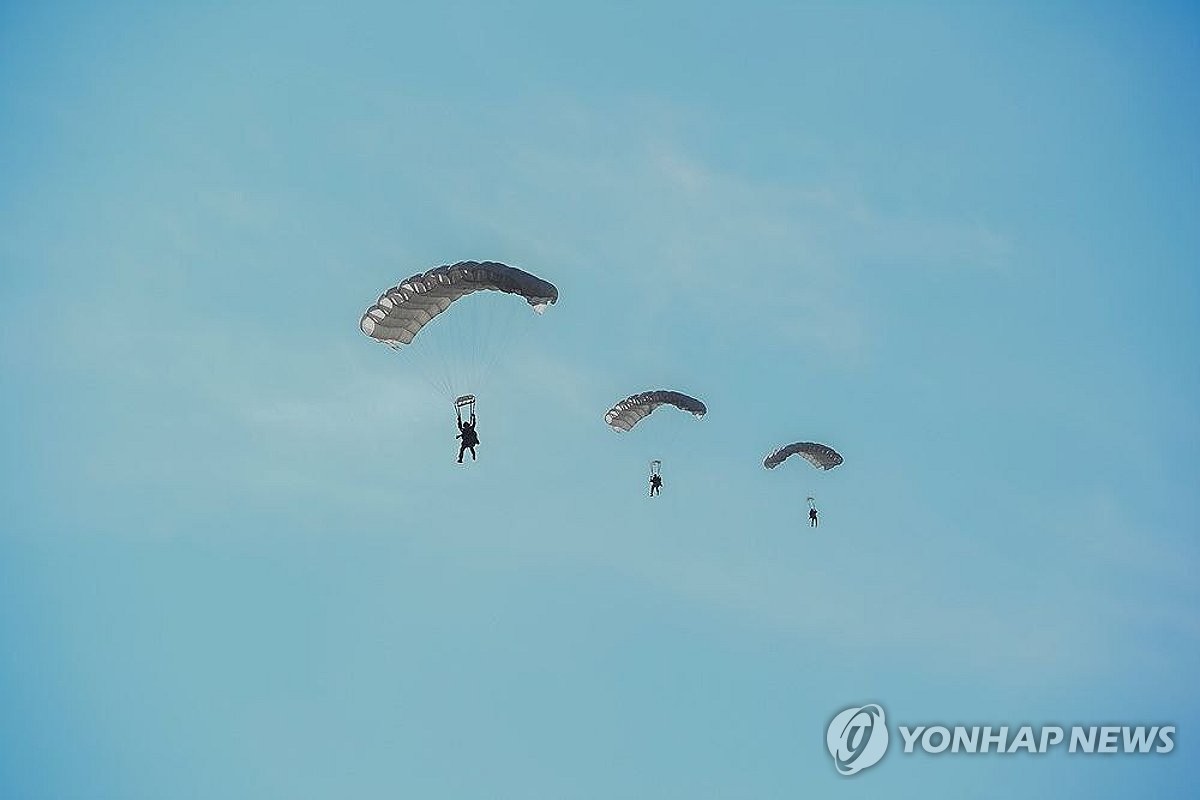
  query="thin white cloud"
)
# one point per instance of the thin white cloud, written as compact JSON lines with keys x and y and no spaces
{"x":792,"y":259}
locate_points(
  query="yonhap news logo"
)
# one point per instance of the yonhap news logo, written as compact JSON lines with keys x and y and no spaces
{"x":858,"y":737}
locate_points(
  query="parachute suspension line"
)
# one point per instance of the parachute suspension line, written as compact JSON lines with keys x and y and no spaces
{"x":450,"y":353}
{"x":500,"y":330}
{"x":496,"y":328}
{"x":461,"y":357}
{"x":430,"y":359}
{"x":472,"y":345}
{"x":459,"y":354}
{"x":427,"y":376}
{"x":476,"y":310}
{"x":673,"y":428}
{"x":655,"y":466}
{"x":438,"y":349}
{"x":489,"y":334}
{"x":464,"y":343}
{"x":418,"y":360}
{"x":454,"y":356}
{"x":476,"y":335}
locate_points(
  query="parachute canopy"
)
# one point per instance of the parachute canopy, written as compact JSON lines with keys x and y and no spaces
{"x":404,"y":309}
{"x":630,"y":411}
{"x":819,"y":455}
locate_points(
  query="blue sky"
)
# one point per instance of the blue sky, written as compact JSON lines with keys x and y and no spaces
{"x":959,"y":244}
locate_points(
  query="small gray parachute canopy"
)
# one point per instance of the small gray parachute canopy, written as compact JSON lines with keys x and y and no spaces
{"x":630,"y":411}
{"x":400,"y":312}
{"x":819,"y":455}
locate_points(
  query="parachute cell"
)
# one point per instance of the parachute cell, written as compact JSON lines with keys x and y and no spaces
{"x":632,"y":410}
{"x":819,"y":455}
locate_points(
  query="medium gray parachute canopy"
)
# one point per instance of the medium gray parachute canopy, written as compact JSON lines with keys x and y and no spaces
{"x":404,"y":309}
{"x":630,"y":411}
{"x":819,"y":455}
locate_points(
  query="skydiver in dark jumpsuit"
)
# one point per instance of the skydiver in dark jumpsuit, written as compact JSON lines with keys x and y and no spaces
{"x":466,"y":432}
{"x":812,"y":516}
{"x":655,"y":484}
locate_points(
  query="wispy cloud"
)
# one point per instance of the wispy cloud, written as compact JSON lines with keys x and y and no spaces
{"x":638,"y":205}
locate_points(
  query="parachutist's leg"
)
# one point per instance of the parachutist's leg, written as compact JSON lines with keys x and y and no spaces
{"x":461,"y":448}
{"x":472,"y":452}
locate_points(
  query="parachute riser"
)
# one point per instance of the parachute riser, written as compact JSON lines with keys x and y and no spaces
{"x":465,"y":406}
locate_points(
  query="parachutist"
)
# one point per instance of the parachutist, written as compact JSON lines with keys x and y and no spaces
{"x":655,"y":484}
{"x":812,"y":517}
{"x":466,"y":432}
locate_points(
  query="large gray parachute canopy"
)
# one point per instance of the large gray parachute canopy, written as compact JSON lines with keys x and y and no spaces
{"x":818,"y":455}
{"x":630,"y":411}
{"x":404,"y":309}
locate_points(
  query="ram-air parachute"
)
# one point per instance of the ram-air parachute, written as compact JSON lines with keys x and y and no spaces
{"x":819,"y":455}
{"x":458,"y":354}
{"x":632,"y":410}
{"x":400,"y":312}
